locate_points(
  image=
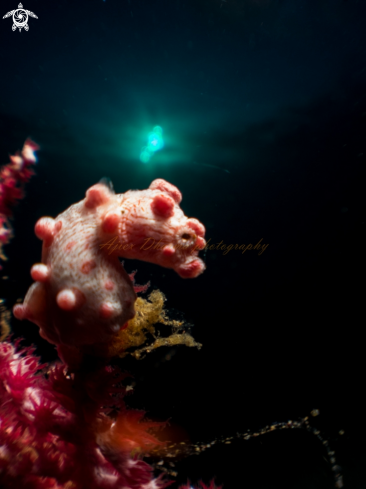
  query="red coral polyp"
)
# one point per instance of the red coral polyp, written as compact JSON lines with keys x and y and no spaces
{"x":129,"y":432}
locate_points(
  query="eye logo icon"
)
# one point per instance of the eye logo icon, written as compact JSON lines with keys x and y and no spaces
{"x":20,"y":17}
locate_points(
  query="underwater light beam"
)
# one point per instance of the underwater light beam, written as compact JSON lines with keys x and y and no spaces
{"x":155,"y":143}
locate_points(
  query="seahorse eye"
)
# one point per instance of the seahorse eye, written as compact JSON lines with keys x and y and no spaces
{"x":186,"y":236}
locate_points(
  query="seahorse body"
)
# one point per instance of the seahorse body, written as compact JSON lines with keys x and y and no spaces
{"x":82,"y":294}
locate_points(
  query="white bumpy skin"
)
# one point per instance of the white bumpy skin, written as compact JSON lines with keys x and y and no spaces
{"x":82,"y":295}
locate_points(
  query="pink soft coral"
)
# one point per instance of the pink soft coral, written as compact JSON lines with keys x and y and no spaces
{"x":13,"y":176}
{"x":58,"y":431}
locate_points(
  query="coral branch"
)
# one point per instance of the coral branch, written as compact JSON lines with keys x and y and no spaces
{"x":13,"y":176}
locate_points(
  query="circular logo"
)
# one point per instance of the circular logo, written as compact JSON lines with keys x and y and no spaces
{"x":20,"y":17}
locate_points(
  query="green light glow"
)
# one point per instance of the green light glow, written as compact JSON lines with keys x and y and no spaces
{"x":155,"y":142}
